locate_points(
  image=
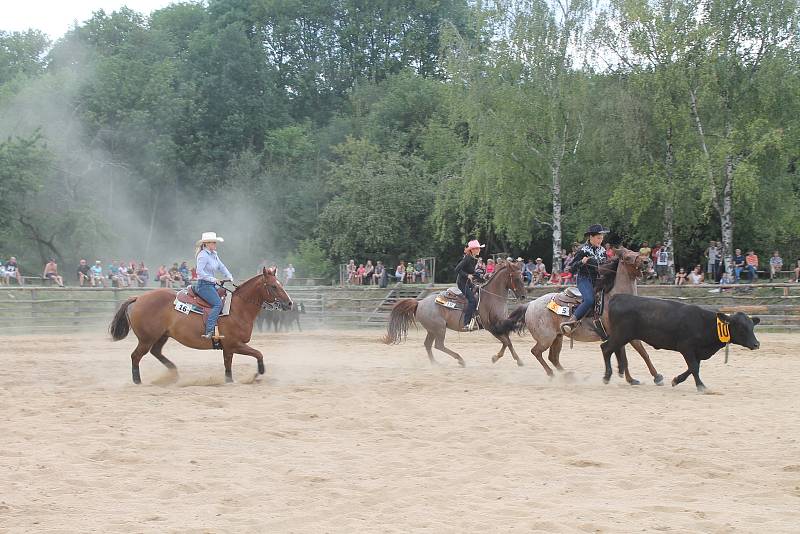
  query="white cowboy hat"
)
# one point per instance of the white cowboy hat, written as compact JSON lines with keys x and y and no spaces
{"x":209,"y":237}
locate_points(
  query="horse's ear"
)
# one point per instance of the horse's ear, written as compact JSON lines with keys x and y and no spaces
{"x":264,"y":271}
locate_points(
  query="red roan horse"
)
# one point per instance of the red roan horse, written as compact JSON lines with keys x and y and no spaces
{"x":154,"y":320}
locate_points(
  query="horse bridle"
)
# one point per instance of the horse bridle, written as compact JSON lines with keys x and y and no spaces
{"x":511,"y":279}
{"x":264,"y":304}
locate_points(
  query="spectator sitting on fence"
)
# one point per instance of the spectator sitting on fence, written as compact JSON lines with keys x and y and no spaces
{"x":378,"y":274}
{"x":400,"y":272}
{"x":489,"y":267}
{"x":162,"y":276}
{"x":175,"y":277}
{"x":369,"y":270}
{"x":51,"y":273}
{"x":696,"y":276}
{"x":680,"y":277}
{"x":738,"y":264}
{"x":752,"y":265}
{"x":360,"y":272}
{"x":775,"y":265}
{"x":186,"y":274}
{"x":410,"y":272}
{"x":727,"y":279}
{"x":796,"y":270}
{"x":84,"y":274}
{"x":2,"y":273}
{"x":96,"y":272}
{"x":12,"y":271}
{"x":527,"y":272}
{"x":142,"y":275}
{"x":115,"y":275}
{"x":351,"y":271}
{"x":540,"y":274}
{"x":420,"y":272}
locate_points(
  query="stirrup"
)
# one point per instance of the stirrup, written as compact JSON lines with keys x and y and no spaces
{"x":568,"y":326}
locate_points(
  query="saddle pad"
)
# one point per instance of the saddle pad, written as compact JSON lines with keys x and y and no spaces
{"x":450,"y":304}
{"x":554,"y":307}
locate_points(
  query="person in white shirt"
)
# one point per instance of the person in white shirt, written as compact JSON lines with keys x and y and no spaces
{"x":208,"y":264}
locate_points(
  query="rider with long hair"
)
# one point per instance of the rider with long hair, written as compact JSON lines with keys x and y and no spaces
{"x":465,"y":275}
{"x":208,"y":264}
{"x":585,"y":264}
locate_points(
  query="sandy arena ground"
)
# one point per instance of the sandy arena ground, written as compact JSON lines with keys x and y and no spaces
{"x":348,"y":435}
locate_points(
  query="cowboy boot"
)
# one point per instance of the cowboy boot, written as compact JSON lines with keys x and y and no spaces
{"x":568,"y":326}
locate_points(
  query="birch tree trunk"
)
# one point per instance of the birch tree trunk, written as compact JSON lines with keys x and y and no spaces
{"x":556,"y":171}
{"x":726,"y":214}
{"x":669,"y":233}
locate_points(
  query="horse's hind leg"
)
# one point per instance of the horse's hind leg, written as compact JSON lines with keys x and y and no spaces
{"x":428,"y":347}
{"x":537,"y":351}
{"x":499,"y":354}
{"x":440,"y":346}
{"x":155,"y":350}
{"x":136,"y":356}
{"x":554,"y":354}
{"x":657,"y":378}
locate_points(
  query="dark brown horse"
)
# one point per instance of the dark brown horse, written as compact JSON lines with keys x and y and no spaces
{"x":437,"y":319}
{"x":154,"y":320}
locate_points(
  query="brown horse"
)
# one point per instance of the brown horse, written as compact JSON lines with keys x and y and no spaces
{"x":154,"y":320}
{"x":437,"y":319}
{"x":617,"y":276}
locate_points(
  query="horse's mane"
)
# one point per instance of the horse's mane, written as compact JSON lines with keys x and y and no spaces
{"x":608,"y":275}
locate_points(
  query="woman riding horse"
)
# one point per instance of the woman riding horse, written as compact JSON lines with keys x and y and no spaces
{"x":208,"y":263}
{"x":465,"y":275}
{"x":585,"y":264}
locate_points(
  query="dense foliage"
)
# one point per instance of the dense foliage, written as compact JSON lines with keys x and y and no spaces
{"x":320,"y":131}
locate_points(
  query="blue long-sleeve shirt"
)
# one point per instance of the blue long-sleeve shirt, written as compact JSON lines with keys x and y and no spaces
{"x":208,"y":263}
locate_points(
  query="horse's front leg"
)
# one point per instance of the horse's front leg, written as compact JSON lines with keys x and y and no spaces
{"x":227,"y":357}
{"x":244,"y":348}
{"x":657,"y":378}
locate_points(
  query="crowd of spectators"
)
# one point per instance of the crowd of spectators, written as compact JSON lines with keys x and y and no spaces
{"x":745,"y":267}
{"x":377,"y":273}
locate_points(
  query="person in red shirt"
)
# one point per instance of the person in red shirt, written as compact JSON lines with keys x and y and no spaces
{"x":751,"y":261}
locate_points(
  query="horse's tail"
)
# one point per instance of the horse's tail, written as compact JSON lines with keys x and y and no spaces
{"x":514,"y":323}
{"x":120,"y":325}
{"x":402,"y":316}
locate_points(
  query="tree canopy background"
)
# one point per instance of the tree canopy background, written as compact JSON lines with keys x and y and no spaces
{"x":320,"y":131}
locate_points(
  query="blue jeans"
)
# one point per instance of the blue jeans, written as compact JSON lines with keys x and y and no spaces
{"x":208,"y":292}
{"x":472,"y":302}
{"x":586,"y":287}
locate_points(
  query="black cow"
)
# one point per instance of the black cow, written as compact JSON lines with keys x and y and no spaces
{"x":685,"y":328}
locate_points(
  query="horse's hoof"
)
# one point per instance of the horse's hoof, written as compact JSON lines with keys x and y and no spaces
{"x":261,"y":369}
{"x":520,"y":363}
{"x":634,"y":382}
{"x":621,"y":374}
{"x":606,"y":379}
{"x":137,"y":378}
{"x":659,"y":380}
{"x":462,"y":363}
{"x":674,"y":382}
{"x":495,"y":358}
{"x":228,"y":378}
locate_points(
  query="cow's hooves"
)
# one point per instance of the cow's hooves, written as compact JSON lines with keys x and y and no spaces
{"x":621,"y":374}
{"x":606,"y":379}
{"x":659,"y":380}
{"x":462,"y":363}
{"x":634,"y":382}
{"x":520,"y":363}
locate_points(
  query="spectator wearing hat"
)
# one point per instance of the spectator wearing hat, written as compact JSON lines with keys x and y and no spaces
{"x":12,"y":271}
{"x":96,"y":272}
{"x":586,"y":263}
{"x":540,"y":274}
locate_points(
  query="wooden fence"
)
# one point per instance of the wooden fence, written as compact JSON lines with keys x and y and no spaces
{"x":36,"y":310}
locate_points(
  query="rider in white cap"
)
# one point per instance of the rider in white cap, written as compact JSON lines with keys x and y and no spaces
{"x":208,"y":264}
{"x":465,"y":274}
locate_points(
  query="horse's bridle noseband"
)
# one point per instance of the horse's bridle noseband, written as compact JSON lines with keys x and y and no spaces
{"x":274,"y":304}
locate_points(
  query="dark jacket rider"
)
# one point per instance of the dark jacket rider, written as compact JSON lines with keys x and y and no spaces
{"x":586,"y":265}
{"x":465,"y":275}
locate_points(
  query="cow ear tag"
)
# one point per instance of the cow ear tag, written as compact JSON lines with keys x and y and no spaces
{"x":723,"y":331}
